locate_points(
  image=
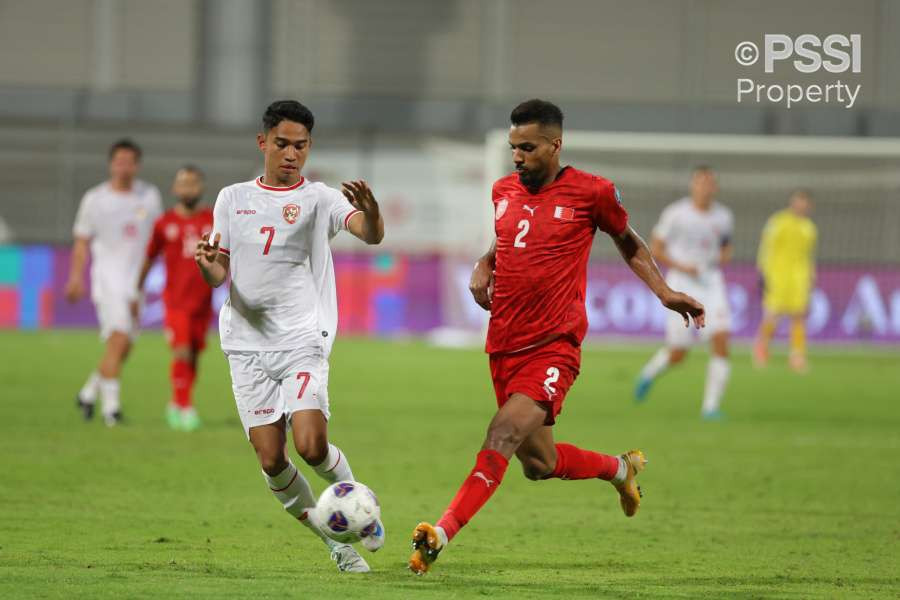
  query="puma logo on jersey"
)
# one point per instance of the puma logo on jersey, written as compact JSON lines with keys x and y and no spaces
{"x":529,"y":209}
{"x":481,"y":475}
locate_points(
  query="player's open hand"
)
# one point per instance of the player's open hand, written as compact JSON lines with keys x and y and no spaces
{"x":206,"y":252}
{"x":359,"y":194}
{"x":482,"y":284}
{"x":687,"y":307}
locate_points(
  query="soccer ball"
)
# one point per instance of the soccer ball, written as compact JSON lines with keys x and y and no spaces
{"x":347,"y":511}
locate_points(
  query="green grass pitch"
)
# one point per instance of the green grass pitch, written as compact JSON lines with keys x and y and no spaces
{"x":796,"y":495}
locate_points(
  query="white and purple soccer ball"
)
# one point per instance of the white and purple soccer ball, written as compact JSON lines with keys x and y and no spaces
{"x":347,"y":511}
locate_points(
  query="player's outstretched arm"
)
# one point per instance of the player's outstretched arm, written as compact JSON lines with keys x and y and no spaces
{"x":75,"y":285}
{"x":369,"y":227}
{"x":213,"y":264}
{"x":142,"y":277}
{"x":658,"y":253}
{"x":482,"y":282}
{"x":637,"y":255}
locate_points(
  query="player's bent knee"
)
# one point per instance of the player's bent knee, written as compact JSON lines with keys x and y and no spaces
{"x":313,"y":450}
{"x":271,"y":462}
{"x":677,"y":355}
{"x":535,"y":469}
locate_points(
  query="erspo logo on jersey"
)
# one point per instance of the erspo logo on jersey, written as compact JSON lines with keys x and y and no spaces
{"x":246,"y":211}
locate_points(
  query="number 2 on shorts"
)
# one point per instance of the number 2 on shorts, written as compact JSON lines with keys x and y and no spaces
{"x":552,"y":377}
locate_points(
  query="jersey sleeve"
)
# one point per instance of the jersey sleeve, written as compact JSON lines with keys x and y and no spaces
{"x":156,"y":205}
{"x":221,"y":225}
{"x":727,"y":227}
{"x":609,"y":214}
{"x":765,"y":243}
{"x":663,"y":228}
{"x":338,"y":211}
{"x":84,"y":226}
{"x":155,"y":244}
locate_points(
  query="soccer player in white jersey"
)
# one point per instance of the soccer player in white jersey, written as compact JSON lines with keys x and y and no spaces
{"x":693,"y":239}
{"x":113,"y":224}
{"x":271,"y":235}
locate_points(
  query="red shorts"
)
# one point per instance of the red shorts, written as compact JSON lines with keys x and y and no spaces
{"x":544,"y":374}
{"x":186,"y":329}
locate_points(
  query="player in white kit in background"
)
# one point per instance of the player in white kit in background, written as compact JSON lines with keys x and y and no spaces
{"x":693,"y":239}
{"x":271,"y":235}
{"x":113,"y":224}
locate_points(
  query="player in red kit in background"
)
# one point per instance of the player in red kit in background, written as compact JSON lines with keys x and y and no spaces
{"x":187,"y":298}
{"x":533,"y":280}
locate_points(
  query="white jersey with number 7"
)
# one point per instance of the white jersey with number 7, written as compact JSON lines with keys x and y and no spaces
{"x":282,"y":292}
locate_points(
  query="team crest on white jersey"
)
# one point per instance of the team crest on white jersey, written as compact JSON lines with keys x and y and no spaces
{"x":501,"y":208}
{"x":290,"y":212}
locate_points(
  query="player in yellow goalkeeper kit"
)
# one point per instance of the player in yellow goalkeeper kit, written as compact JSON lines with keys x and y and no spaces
{"x":786,"y":260}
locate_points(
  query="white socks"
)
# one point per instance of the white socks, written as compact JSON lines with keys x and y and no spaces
{"x":109,"y":395}
{"x":292,"y":489}
{"x":717,"y":374}
{"x":90,"y":389}
{"x":621,"y":473}
{"x":656,"y":365}
{"x":335,"y":466}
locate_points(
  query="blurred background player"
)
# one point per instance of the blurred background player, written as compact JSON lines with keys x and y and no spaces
{"x":112,"y":225}
{"x":533,"y":281}
{"x":786,"y":261}
{"x":693,"y":239}
{"x":271,"y":235}
{"x":187,"y":298}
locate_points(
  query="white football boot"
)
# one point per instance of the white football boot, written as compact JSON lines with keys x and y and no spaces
{"x":348,"y":559}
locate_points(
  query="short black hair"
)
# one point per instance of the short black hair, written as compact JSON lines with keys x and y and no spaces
{"x":702,"y":169}
{"x":125,"y":144}
{"x":537,"y":111}
{"x":287,"y":110}
{"x":191,"y":168}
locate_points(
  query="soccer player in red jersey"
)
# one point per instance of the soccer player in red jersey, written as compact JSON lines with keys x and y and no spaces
{"x":187,"y":298}
{"x":533,"y":280}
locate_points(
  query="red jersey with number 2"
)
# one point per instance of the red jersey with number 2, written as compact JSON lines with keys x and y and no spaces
{"x":176,"y":237}
{"x":543,"y":245}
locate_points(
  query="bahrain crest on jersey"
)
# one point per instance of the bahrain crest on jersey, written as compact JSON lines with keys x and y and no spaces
{"x":501,"y":208}
{"x":172,"y":232}
{"x":290,"y":212}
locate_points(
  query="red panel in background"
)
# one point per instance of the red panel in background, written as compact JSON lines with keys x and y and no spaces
{"x":45,"y":309}
{"x":9,"y":307}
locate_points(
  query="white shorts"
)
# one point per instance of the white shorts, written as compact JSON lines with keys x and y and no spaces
{"x":711,"y":291}
{"x":114,"y":314}
{"x":268,"y":385}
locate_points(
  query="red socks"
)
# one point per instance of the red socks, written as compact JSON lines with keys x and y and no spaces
{"x":478,"y":487}
{"x":574,"y":463}
{"x":182,"y":375}
{"x":490,"y":466}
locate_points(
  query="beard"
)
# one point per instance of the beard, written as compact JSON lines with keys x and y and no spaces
{"x":531,"y":179}
{"x":190,"y":202}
